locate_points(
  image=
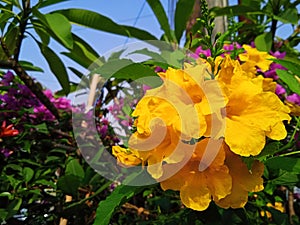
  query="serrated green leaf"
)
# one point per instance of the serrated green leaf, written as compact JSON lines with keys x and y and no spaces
{"x":290,"y":80}
{"x":61,"y":27}
{"x":183,"y":11}
{"x":263,"y":42}
{"x":56,"y":66}
{"x":74,"y":168}
{"x":161,"y":16}
{"x":97,"y":21}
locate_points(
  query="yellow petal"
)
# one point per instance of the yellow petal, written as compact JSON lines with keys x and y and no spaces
{"x":195,"y":194}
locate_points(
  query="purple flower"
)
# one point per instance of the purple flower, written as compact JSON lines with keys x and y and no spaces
{"x":6,"y":152}
{"x":278,"y":54}
{"x":279,"y":90}
{"x":294,"y":98}
{"x":159,"y":69}
{"x":7,"y":78}
{"x":205,"y":52}
{"x":232,"y":46}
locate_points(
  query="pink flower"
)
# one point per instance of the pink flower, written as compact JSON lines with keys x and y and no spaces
{"x":279,"y":90}
{"x":294,"y":98}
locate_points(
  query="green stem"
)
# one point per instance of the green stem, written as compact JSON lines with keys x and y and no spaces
{"x":102,"y":188}
{"x":291,"y":141}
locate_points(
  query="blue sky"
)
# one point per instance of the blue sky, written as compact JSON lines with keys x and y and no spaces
{"x":121,"y":11}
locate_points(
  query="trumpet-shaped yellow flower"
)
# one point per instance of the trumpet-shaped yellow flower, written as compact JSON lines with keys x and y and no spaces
{"x":252,"y":58}
{"x":197,"y":189}
{"x":126,"y":157}
{"x":253,"y":111}
{"x":243,"y":180}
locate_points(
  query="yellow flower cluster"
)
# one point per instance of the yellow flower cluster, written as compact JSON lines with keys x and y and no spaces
{"x":193,"y":131}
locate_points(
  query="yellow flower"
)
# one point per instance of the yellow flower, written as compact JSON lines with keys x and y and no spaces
{"x":197,"y":188}
{"x":253,"y":58}
{"x":295,"y":109}
{"x":253,"y":111}
{"x":243,"y":180}
{"x":278,"y":206}
{"x":126,"y":157}
{"x":164,"y":146}
{"x":184,"y":102}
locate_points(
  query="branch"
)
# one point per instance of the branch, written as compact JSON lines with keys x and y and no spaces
{"x":23,"y":24}
{"x":35,"y":87}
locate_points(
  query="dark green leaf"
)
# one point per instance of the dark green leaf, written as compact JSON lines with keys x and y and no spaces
{"x":288,"y":164}
{"x":41,"y":31}
{"x":61,"y":27}
{"x":13,"y":207}
{"x":69,"y":184}
{"x":183,"y":11}
{"x":99,"y":22}
{"x":30,"y":67}
{"x":57,"y":67}
{"x":263,"y":42}
{"x":161,"y":16}
{"x":290,"y":80}
{"x":50,"y":2}
{"x":235,"y":10}
{"x":289,"y":15}
{"x":107,"y":207}
{"x":74,"y":168}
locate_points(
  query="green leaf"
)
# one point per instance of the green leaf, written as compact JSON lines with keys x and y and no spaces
{"x":13,"y":207}
{"x":288,"y":164}
{"x":56,"y":66}
{"x":41,"y":31}
{"x":235,"y":10}
{"x":290,"y":80}
{"x":74,"y":168}
{"x":183,"y":11}
{"x":289,"y":15}
{"x":30,"y":67}
{"x":119,"y":196}
{"x":161,"y":16}
{"x":99,"y":22}
{"x":126,"y":69}
{"x":83,"y":54}
{"x":263,"y":42}
{"x":61,"y":27}
{"x":291,"y":64}
{"x":27,"y":174}
{"x":46,"y":3}
{"x":69,"y":184}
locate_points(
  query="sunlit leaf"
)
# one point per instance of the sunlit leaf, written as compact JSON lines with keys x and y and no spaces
{"x":56,"y":66}
{"x":290,"y":80}
{"x":264,"y":42}
{"x":61,"y":27}
{"x":99,"y":22}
